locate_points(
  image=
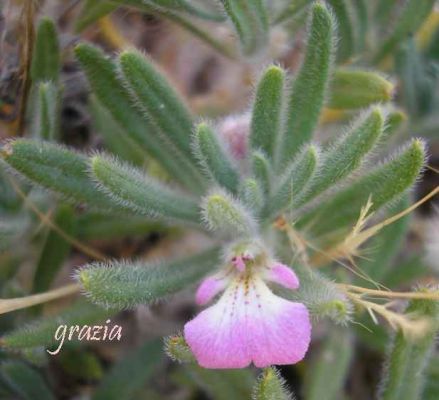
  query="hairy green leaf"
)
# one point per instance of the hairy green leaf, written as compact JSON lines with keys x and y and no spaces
{"x":271,"y":386}
{"x":46,"y":116}
{"x":266,"y":115}
{"x":352,"y":88}
{"x":346,"y":154}
{"x":345,"y":28}
{"x":42,"y":331}
{"x":55,"y":168}
{"x":227,"y":215}
{"x":294,"y":180}
{"x":121,"y":285}
{"x":383,"y":184}
{"x":141,"y":194}
{"x":308,"y":90}
{"x":251,"y":23}
{"x":214,"y":159}
{"x":109,"y":89}
{"x":403,"y":377}
{"x":46,"y":60}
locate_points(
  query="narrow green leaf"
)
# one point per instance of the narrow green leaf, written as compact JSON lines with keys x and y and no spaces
{"x":92,"y":11}
{"x":291,"y":10}
{"x":352,"y":88}
{"x":141,"y":194}
{"x":403,"y":377}
{"x":261,"y":170}
{"x":158,"y":100}
{"x":309,"y":87}
{"x":252,"y":195}
{"x":227,"y":215}
{"x":109,"y":89}
{"x":394,"y":122}
{"x":385,"y":245}
{"x":115,"y":139}
{"x":383,"y":184}
{"x":55,"y":168}
{"x":46,"y":116}
{"x":266,"y":115}
{"x":345,"y":28}
{"x":55,"y":249}
{"x":294,"y":180}
{"x":328,"y":371}
{"x":251,"y":23}
{"x":411,"y":15}
{"x":213,"y":158}
{"x":121,"y":285}
{"x":130,"y":374}
{"x":46,"y":60}
{"x":360,"y":22}
{"x":346,"y":155}
{"x":25,"y":381}
{"x":271,"y":386}
{"x":223,"y":384}
{"x":41,"y":332}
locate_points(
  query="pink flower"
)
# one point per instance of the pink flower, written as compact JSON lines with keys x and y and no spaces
{"x":248,"y":323}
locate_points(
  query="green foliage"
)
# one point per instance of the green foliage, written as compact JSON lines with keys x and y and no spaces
{"x":178,"y":350}
{"x":46,"y":59}
{"x":55,"y":249}
{"x":327,"y":373}
{"x":130,"y":373}
{"x":408,"y":357}
{"x":308,"y":90}
{"x":411,"y":16}
{"x":24,"y":381}
{"x":121,"y":285}
{"x":112,"y":93}
{"x":383,"y":247}
{"x":294,"y":180}
{"x":343,"y":208}
{"x":46,"y":107}
{"x":250,"y":20}
{"x":160,"y":105}
{"x":221,"y":384}
{"x":226,"y":215}
{"x":266,"y":115}
{"x":345,"y":25}
{"x":41,"y":332}
{"x":116,"y":140}
{"x":139,"y":193}
{"x":55,"y":168}
{"x":346,"y":154}
{"x":352,"y":88}
{"x":92,"y":11}
{"x":271,"y":386}
{"x":213,"y":158}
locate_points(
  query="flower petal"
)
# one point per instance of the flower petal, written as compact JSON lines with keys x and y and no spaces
{"x":249,"y":323}
{"x":283,"y":275}
{"x":209,"y":288}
